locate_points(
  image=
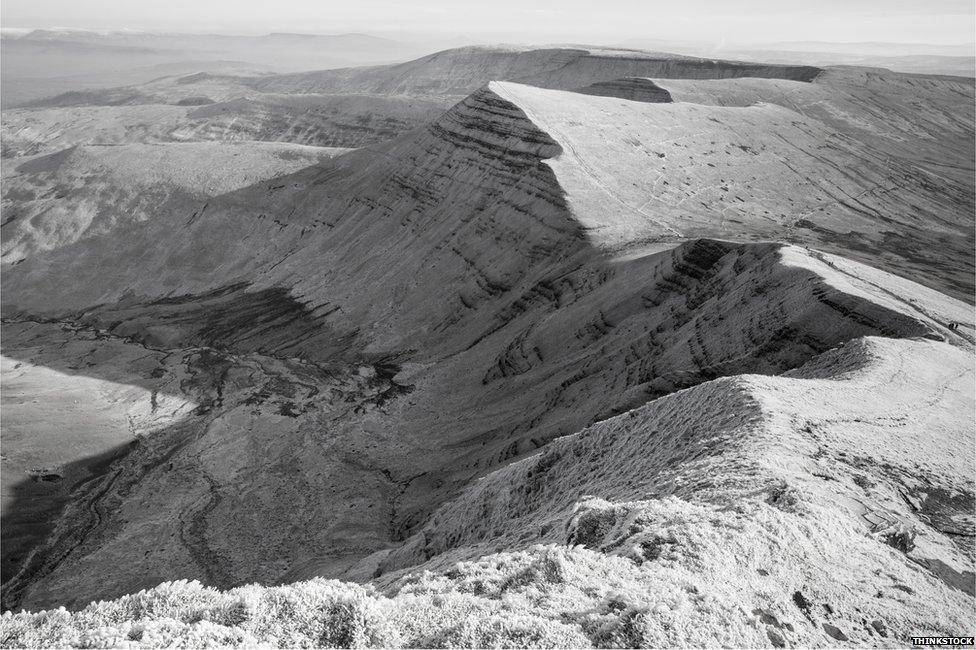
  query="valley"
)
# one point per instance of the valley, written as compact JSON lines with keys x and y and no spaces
{"x":638,"y":346}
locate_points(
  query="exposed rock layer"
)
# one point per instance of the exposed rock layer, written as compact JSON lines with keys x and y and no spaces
{"x":342,"y":397}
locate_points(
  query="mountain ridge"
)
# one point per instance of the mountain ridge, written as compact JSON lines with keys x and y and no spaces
{"x":385,"y":351}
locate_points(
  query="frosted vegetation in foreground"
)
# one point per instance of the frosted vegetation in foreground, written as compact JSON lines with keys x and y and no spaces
{"x":545,"y":597}
{"x":498,"y":603}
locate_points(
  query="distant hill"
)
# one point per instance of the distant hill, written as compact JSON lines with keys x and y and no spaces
{"x":45,"y":62}
{"x":921,"y":58}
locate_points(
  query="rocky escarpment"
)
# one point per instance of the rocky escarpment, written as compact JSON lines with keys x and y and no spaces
{"x":417,"y":314}
{"x":651,"y":327}
{"x":504,"y":160}
{"x":524,"y":168}
{"x":467,"y":202}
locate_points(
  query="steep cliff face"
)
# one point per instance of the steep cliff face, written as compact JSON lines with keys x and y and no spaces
{"x":466,"y":202}
{"x":535,"y":170}
{"x":369,"y":334}
{"x":377,"y":204}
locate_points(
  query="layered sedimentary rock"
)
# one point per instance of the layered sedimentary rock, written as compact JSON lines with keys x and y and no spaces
{"x":366,"y":336}
{"x":505,"y":160}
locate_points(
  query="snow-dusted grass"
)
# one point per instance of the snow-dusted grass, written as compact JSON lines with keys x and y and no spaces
{"x":318,"y":613}
{"x":544,"y":597}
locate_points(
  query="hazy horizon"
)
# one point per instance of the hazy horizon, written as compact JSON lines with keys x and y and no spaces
{"x":749,"y":22}
{"x":448,"y":36}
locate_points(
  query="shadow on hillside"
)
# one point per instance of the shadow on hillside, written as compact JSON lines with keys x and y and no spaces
{"x":37,"y":505}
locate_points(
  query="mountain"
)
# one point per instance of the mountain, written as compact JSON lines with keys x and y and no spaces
{"x":683,"y":358}
{"x":907,"y":200}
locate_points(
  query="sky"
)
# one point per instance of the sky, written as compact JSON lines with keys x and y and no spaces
{"x":525,"y":21}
